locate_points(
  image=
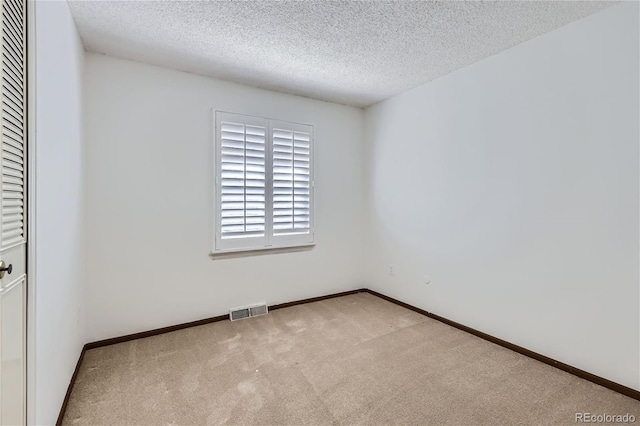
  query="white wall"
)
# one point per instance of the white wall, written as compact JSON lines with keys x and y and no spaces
{"x":148,"y":133}
{"x":59,"y":201}
{"x":513,"y":183}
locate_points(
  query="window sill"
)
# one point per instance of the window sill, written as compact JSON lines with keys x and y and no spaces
{"x":235,"y":253}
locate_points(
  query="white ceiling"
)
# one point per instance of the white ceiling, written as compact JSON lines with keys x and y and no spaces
{"x":355,"y":53}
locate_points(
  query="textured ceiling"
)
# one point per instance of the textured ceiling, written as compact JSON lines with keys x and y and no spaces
{"x":355,"y":53}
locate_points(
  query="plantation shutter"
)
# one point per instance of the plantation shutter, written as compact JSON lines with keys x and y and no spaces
{"x":241,"y":180}
{"x":12,"y":223}
{"x":263,"y":194}
{"x":292,"y":182}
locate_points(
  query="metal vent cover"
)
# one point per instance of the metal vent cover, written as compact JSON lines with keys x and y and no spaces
{"x":239,"y":313}
{"x":258,"y":310}
{"x":248,"y":311}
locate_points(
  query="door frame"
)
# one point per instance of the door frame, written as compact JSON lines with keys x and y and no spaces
{"x":31,"y":214}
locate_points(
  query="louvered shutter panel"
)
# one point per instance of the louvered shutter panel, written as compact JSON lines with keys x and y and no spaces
{"x":241,"y":178}
{"x":292,"y":182}
{"x":12,"y":223}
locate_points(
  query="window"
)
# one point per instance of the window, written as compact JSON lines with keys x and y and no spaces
{"x":263,"y":194}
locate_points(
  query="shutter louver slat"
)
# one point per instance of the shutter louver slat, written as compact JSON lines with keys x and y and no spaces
{"x":11,"y":158}
{"x":13,"y":47}
{"x":13,"y":72}
{"x":13,"y":150}
{"x":291,"y":174}
{"x":11,"y":195}
{"x":11,"y":117}
{"x":9,"y":103}
{"x":11,"y":108}
{"x":12,"y":224}
{"x":14,"y":212}
{"x":11,"y":77}
{"x":9,"y":140}
{"x":13,"y":16}
{"x":10,"y":90}
{"x":11,"y":130}
{"x":10,"y":42}
{"x":243,"y":180}
{"x":11,"y":165}
{"x":16,"y":7}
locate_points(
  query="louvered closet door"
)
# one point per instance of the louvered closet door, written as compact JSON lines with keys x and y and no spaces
{"x":12,"y":216}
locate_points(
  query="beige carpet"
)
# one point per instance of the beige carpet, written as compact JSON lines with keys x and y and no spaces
{"x":351,"y":360}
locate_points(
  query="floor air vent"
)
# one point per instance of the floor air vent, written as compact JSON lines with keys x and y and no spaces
{"x":236,"y":314}
{"x":248,"y":311}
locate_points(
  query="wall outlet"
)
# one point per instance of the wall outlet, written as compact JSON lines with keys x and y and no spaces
{"x":392,"y":270}
{"x":426,"y":280}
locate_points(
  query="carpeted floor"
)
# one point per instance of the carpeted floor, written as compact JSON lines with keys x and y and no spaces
{"x":356,"y":359}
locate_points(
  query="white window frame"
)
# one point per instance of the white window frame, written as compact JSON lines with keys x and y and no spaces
{"x":269,"y":241}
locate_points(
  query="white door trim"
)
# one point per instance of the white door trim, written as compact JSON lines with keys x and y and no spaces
{"x":31,"y":213}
